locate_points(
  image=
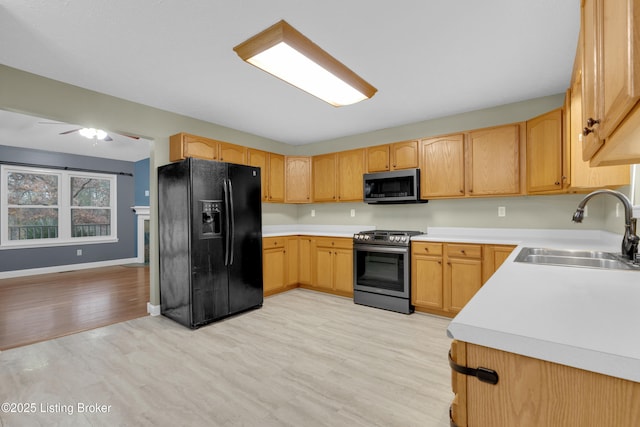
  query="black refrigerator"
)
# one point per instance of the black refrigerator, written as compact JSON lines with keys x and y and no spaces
{"x":210,"y":240}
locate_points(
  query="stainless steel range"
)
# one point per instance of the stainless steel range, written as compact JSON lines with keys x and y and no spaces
{"x":382,"y":269}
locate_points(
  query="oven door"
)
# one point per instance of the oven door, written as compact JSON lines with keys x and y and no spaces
{"x":381,"y":270}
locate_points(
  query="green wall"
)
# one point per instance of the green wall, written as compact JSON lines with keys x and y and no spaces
{"x":35,"y":95}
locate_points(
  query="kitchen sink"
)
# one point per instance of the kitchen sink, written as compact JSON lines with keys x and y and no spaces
{"x":575,"y":258}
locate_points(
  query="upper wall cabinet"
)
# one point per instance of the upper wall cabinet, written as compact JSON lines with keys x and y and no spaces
{"x":297,"y":179}
{"x":442,"y":167}
{"x":611,"y":81}
{"x":324,"y":178}
{"x":399,"y":155}
{"x":493,"y":161}
{"x":544,"y":153}
{"x":271,"y":173}
{"x":338,"y":176}
{"x":183,"y":145}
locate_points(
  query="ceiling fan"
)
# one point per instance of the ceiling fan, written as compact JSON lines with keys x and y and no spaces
{"x":90,"y":133}
{"x":93,"y":133}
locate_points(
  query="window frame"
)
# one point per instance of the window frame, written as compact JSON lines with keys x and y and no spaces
{"x":64,"y":208}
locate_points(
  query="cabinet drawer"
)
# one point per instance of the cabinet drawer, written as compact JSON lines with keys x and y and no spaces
{"x":424,"y":248}
{"x":335,"y":242}
{"x":464,"y":250}
{"x":273,"y":242}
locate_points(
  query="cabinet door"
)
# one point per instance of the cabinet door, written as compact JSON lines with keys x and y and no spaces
{"x":324,"y":268}
{"x":276,"y":178}
{"x":404,"y":155}
{"x":273,"y":262}
{"x":343,"y":271}
{"x":464,"y":277}
{"x":260,"y":159}
{"x":494,"y":256}
{"x":350,"y":171}
{"x":378,"y":158}
{"x":297,"y":179}
{"x":442,"y":167}
{"x":591,"y":74}
{"x":544,"y":153}
{"x":493,"y":161}
{"x":324,"y":178}
{"x":292,"y":264}
{"x":426,"y":281}
{"x":184,"y":145}
{"x":620,"y":61}
{"x":232,"y":153}
{"x":306,"y":259}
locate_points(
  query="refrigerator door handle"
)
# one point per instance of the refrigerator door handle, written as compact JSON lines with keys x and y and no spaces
{"x":231,"y":220}
{"x":226,"y":222}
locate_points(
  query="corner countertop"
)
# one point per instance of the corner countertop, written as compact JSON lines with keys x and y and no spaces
{"x":314,"y":230}
{"x":580,"y":317}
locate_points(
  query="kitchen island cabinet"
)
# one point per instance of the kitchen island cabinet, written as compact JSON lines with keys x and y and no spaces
{"x":534,"y":392}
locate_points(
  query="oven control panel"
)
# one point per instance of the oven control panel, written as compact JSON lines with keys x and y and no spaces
{"x":385,"y":237}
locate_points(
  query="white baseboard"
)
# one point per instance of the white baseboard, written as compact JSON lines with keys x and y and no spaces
{"x":153,"y":310}
{"x":61,"y":268}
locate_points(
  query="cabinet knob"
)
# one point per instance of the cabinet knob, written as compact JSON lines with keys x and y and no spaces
{"x":592,"y":122}
{"x":462,"y":252}
{"x":586,"y":131}
{"x":461,"y":191}
{"x":557,"y":183}
{"x":426,"y":249}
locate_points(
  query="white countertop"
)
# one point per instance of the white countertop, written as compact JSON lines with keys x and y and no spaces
{"x":314,"y":230}
{"x":581,"y":317}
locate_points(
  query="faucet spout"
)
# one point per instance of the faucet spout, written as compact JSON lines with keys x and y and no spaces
{"x":630,"y":239}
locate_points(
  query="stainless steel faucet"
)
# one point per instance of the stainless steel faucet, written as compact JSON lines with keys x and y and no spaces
{"x":630,"y":240}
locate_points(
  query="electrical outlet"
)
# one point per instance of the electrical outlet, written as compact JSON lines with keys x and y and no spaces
{"x":586,"y":211}
{"x":353,"y":213}
{"x":617,"y":210}
{"x":502,"y":211}
{"x":146,"y":193}
{"x":313,"y":212}
{"x":79,"y":252}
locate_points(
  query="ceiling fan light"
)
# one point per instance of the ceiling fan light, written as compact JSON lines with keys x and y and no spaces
{"x":87,"y":132}
{"x":100,"y":134}
{"x":286,"y":53}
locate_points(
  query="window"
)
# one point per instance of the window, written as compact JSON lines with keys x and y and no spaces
{"x":44,"y":207}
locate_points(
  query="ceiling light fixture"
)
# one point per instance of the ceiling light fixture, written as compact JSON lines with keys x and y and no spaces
{"x":93,"y":133}
{"x":283,"y":51}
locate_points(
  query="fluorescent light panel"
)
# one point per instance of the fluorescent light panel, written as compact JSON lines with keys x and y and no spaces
{"x":287,"y":54}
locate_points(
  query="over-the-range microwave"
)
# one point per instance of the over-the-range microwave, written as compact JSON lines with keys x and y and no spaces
{"x":400,"y":186}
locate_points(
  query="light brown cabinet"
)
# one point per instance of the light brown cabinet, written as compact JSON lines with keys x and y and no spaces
{"x":292,"y":261}
{"x":493,"y":161}
{"x":297,"y":179}
{"x":334,"y":265}
{"x":306,"y":248}
{"x":427,"y":275}
{"x":350,"y":167}
{"x":399,"y":155}
{"x":273,"y":265}
{"x":183,"y":145}
{"x":494,"y":256}
{"x":324,"y":178}
{"x":611,"y":81}
{"x":271,"y":173}
{"x":534,"y":392}
{"x":545,"y":172}
{"x":442,"y":167}
{"x":445,"y":276}
{"x":232,"y":153}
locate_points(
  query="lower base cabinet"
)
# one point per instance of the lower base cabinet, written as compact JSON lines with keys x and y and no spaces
{"x":445,"y":276}
{"x":319,"y":263}
{"x":534,"y":392}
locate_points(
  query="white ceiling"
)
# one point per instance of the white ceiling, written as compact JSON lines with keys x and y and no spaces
{"x":427,"y":58}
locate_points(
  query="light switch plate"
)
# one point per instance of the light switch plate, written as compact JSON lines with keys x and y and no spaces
{"x":502,"y":211}
{"x":353,"y":212}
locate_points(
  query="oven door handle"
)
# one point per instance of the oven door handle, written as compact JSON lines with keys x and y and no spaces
{"x":381,"y":248}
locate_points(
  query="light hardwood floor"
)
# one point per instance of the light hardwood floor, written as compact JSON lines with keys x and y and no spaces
{"x":46,"y":306}
{"x":303,"y":359}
